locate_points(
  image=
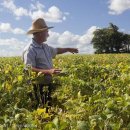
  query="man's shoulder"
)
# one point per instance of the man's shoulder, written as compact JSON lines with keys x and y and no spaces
{"x":47,"y":46}
{"x":29,"y":47}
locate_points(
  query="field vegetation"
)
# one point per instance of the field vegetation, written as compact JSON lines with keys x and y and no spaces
{"x":92,"y":94}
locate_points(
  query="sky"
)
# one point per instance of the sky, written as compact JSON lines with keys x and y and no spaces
{"x":74,"y":22}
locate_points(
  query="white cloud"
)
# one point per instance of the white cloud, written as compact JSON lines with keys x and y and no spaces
{"x":118,"y":6}
{"x":67,"y":39}
{"x":53,"y":14}
{"x":14,"y":47}
{"x":21,"y":12}
{"x":11,"y":47}
{"x":18,"y":12}
{"x":87,"y":37}
{"x":6,"y":27}
{"x":18,"y":31}
{"x":39,"y":5}
{"x":85,"y":41}
{"x":10,"y":42}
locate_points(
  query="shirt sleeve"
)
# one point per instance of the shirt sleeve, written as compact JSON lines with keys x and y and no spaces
{"x":29,"y":58}
{"x":53,"y":51}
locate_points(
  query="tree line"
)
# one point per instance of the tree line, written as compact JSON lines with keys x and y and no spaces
{"x":111,"y":40}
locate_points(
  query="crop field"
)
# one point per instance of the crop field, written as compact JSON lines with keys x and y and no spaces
{"x":92,"y":94}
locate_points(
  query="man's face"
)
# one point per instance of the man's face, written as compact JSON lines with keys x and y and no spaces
{"x":44,"y":35}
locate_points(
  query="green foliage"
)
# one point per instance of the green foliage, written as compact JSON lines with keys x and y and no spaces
{"x":110,"y":40}
{"x":92,"y":94}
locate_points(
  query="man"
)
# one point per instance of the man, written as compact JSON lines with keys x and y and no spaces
{"x":39,"y":55}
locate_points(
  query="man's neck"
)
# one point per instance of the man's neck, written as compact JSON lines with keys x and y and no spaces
{"x":37,"y":41}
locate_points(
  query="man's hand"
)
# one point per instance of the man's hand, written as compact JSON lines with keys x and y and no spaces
{"x":73,"y":50}
{"x":53,"y":71}
{"x":46,"y":71}
{"x":63,"y":50}
{"x":57,"y":71}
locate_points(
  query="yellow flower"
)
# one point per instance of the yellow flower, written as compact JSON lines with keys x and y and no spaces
{"x":40,"y":111}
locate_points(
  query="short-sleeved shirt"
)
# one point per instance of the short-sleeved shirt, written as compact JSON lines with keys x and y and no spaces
{"x":39,"y":55}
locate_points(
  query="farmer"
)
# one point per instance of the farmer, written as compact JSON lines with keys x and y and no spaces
{"x":39,"y":55}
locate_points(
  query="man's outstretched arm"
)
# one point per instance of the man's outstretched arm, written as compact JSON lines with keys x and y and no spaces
{"x":46,"y":71}
{"x":64,"y":50}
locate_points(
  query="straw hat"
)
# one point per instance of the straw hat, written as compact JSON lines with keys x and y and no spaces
{"x":38,"y":25}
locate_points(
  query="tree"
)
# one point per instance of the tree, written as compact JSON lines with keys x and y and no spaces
{"x":101,"y":41}
{"x":126,"y":44}
{"x":115,"y":38}
{"x":110,"y":40}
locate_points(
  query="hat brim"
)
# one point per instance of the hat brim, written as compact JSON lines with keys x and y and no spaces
{"x":32,"y":31}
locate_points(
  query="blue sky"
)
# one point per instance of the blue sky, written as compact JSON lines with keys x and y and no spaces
{"x":74,"y":22}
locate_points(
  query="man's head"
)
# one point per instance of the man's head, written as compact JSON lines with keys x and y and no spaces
{"x":41,"y":37}
{"x":38,"y":25}
{"x":39,"y":30}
